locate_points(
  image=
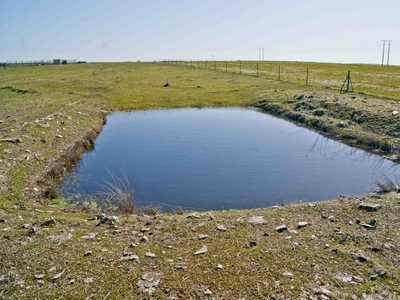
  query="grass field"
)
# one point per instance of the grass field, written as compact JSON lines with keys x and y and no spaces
{"x":50,"y":114}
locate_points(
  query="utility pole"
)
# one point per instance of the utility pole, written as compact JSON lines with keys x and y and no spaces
{"x":388,"y":53}
{"x":383,"y":51}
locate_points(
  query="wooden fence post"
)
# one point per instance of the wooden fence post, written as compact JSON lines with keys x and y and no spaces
{"x":279,"y":72}
{"x":307,"y":77}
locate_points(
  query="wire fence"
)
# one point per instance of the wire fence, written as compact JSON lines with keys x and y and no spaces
{"x":30,"y":63}
{"x":373,"y":79}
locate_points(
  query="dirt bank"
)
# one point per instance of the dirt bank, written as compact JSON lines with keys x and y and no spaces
{"x":359,"y":120}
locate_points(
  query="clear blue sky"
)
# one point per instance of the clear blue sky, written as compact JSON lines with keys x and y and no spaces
{"x":347,"y":31}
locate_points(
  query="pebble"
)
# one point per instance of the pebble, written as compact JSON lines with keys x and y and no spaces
{"x":202,"y":236}
{"x":370,"y":206}
{"x":87,"y":253}
{"x":148,"y":283}
{"x":287,"y":274}
{"x":281,"y":228}
{"x":219,"y":267}
{"x":88,"y":236}
{"x":203,"y":250}
{"x":222,"y":228}
{"x":149,"y":254}
{"x":208,"y":293}
{"x":302,"y":224}
{"x":89,"y":280}
{"x":256,"y":220}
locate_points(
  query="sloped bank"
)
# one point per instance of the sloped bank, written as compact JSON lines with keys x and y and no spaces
{"x":362,"y":121}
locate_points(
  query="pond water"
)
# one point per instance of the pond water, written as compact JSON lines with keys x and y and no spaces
{"x":221,"y":158}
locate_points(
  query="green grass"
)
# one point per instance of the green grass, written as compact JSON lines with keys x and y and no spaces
{"x":74,"y":99}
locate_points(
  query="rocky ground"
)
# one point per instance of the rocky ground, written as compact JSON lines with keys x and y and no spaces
{"x":346,"y":248}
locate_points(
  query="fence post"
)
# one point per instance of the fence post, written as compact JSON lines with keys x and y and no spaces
{"x":307,"y":77}
{"x":257,"y":70}
{"x":279,"y":72}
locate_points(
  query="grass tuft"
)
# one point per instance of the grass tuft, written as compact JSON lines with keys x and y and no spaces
{"x":120,"y":191}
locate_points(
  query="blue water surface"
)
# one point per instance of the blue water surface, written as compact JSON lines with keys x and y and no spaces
{"x":221,"y":158}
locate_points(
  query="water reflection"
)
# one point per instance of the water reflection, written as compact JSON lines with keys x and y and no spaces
{"x":223,"y":158}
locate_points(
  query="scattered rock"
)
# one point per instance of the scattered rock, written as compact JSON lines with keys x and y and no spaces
{"x":203,"y":250}
{"x":375,"y":249}
{"x":389,"y":246}
{"x":87,"y":253}
{"x":202,"y":236}
{"x":52,"y":269}
{"x":368,"y":226}
{"x":395,"y":112}
{"x":208,"y":293}
{"x":149,"y":254}
{"x":252,"y":244}
{"x":88,"y":236}
{"x":219,"y":267}
{"x":58,"y":276}
{"x":32,"y":230}
{"x":89,"y":280}
{"x":222,"y":228}
{"x":144,"y":239}
{"x":45,"y":125}
{"x":148,"y":283}
{"x":281,"y":228}
{"x":48,"y":222}
{"x":302,"y":224}
{"x":348,"y":278}
{"x":202,"y":224}
{"x":38,"y":276}
{"x":342,"y":124}
{"x":12,"y":140}
{"x":3,"y":279}
{"x":145,"y":229}
{"x":129,"y":257}
{"x":362,"y":258}
{"x":380,"y":271}
{"x":109,"y":219}
{"x":179,"y":267}
{"x":71,"y":282}
{"x":370,"y":206}
{"x":60,"y":238}
{"x":287,"y":274}
{"x":256,"y":220}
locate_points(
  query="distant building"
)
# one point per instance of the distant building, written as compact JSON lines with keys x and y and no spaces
{"x":56,"y":61}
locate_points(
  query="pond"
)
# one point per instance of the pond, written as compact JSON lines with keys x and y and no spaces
{"x":221,"y":158}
